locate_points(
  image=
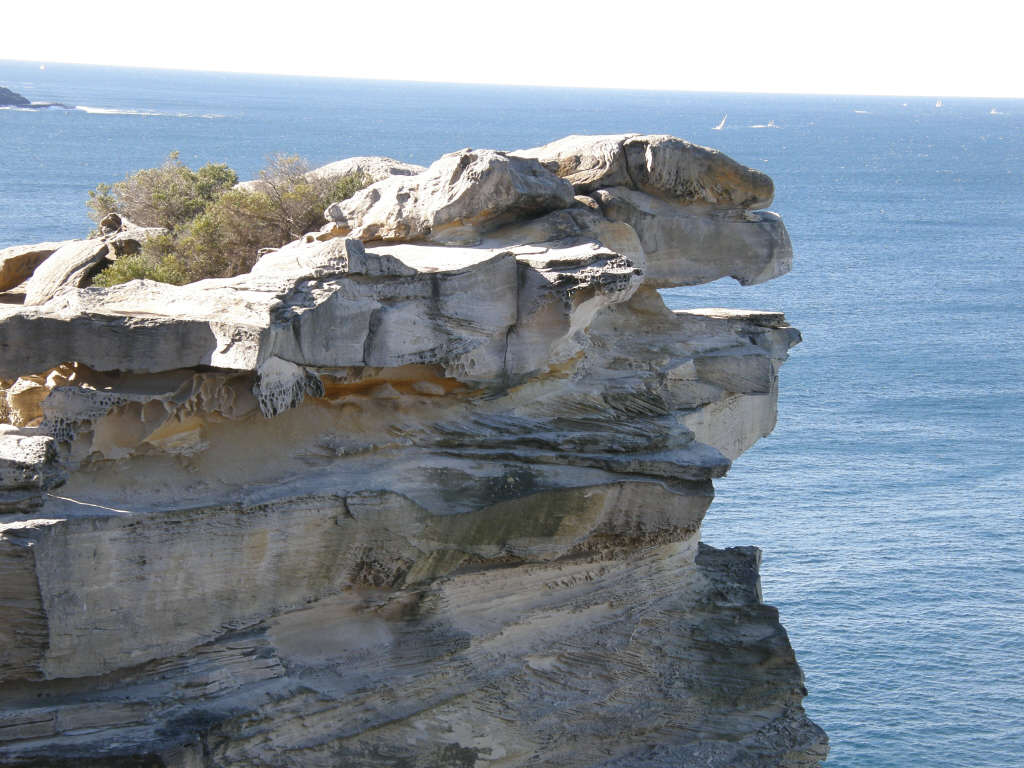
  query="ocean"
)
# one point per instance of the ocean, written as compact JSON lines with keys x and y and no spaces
{"x":888,"y":501}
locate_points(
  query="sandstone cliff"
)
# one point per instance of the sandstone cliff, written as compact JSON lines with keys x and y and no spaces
{"x":422,"y":489}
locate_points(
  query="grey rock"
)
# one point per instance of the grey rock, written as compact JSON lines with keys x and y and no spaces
{"x":677,"y":170}
{"x":74,"y":263}
{"x":295,"y":688}
{"x":128,"y":241}
{"x":687,"y":245}
{"x":110,"y":223}
{"x":456,"y":199}
{"x":70,"y":267}
{"x":586,"y":162}
{"x":664,"y":166}
{"x":9,"y":98}
{"x":331,"y":304}
{"x":28,"y":469}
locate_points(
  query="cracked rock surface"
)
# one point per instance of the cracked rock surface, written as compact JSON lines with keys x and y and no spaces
{"x":423,"y":488}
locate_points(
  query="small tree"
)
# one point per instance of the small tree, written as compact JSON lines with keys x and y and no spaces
{"x":167,"y":196}
{"x":215,"y":230}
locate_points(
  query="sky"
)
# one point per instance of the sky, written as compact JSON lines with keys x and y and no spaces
{"x":828,"y":46}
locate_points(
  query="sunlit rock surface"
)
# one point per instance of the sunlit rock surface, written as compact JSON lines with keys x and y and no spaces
{"x":423,"y":489}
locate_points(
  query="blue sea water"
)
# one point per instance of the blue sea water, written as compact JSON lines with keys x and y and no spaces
{"x":888,"y":502}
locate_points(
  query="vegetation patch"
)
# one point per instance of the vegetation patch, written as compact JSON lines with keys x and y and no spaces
{"x":215,"y":229}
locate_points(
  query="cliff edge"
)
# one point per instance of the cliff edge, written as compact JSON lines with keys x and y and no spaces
{"x":424,"y":488}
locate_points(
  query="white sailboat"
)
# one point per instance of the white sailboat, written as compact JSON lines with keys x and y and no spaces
{"x":720,"y":125}
{"x":938,"y":103}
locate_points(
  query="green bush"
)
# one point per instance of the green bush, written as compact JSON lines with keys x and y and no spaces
{"x":156,"y":262}
{"x":139,"y":267}
{"x":167,"y":196}
{"x":215,"y":230}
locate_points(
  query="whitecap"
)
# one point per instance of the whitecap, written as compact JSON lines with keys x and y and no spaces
{"x":102,"y":111}
{"x":141,"y":112}
{"x":33,"y":109}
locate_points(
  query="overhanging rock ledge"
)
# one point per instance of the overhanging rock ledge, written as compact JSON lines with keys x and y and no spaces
{"x":423,"y":489}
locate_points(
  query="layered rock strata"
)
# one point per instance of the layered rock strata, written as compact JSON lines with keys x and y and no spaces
{"x":422,"y":489}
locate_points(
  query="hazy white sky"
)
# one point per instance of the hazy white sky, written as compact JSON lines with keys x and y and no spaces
{"x":865,"y":47}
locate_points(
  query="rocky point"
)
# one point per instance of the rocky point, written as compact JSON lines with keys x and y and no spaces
{"x":424,"y":488}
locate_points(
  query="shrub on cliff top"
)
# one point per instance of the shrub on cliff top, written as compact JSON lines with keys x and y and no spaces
{"x":167,"y":196}
{"x":216,"y":230}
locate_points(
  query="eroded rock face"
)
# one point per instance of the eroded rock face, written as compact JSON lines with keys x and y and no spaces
{"x":688,"y":246}
{"x":423,"y":489}
{"x":27,"y":471}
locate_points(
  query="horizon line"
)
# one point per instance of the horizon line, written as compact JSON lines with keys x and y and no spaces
{"x":45,"y":62}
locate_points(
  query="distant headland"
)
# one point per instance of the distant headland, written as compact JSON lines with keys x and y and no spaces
{"x":9,"y":98}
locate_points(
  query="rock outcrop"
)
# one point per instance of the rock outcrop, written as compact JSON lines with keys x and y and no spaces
{"x":9,"y":98}
{"x":423,"y":488}
{"x":18,"y":263}
{"x":663,"y":166}
{"x":48,"y":269}
{"x":453,"y":201}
